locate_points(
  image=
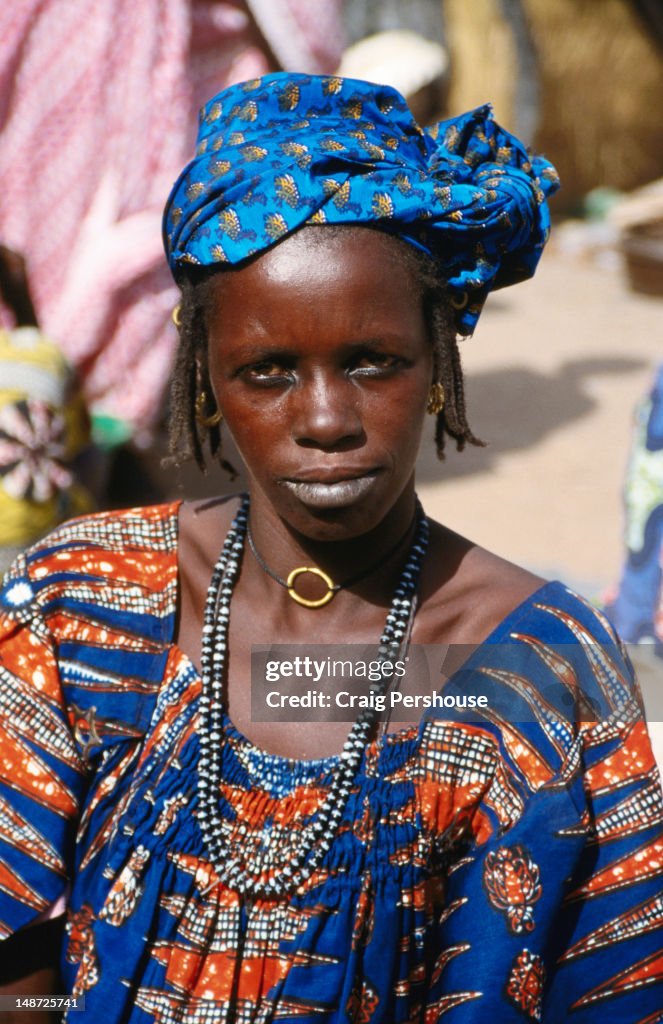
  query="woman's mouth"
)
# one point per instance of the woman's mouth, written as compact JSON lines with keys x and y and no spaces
{"x":321,"y":494}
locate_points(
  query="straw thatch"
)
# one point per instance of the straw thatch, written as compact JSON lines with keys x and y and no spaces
{"x":600,"y":76}
{"x":482,"y":57}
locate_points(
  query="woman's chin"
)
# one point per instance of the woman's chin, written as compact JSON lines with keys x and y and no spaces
{"x":326,"y":520}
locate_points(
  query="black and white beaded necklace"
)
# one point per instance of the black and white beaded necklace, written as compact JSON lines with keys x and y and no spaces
{"x":261,"y":878}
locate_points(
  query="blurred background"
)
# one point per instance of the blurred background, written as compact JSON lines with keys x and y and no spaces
{"x":562,"y":372}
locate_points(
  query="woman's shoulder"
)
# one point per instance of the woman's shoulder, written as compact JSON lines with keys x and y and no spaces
{"x":557,"y":613}
{"x":122,"y":559}
{"x":205,"y":522}
{"x":467,"y":591}
{"x":474,"y":595}
{"x":550,"y":665}
{"x":121,"y":528}
{"x":548,"y":662}
{"x":124,"y":531}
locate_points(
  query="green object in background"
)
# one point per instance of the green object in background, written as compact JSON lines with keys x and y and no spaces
{"x":108,"y":432}
{"x":598,"y":203}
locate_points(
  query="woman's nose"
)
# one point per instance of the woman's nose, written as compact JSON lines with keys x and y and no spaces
{"x":327,"y":414}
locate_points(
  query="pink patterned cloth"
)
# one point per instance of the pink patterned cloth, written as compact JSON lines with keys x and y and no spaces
{"x":97,"y":117}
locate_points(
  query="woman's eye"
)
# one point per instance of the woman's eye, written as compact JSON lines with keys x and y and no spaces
{"x":375,"y":363}
{"x":267,"y":371}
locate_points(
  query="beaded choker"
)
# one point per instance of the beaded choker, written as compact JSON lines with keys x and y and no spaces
{"x":261,"y":877}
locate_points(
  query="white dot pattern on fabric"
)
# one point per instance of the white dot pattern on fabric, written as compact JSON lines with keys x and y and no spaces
{"x":18,"y":594}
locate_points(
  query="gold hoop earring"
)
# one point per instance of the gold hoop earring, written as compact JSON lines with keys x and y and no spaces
{"x":206,"y":421}
{"x":176,"y":315}
{"x":459,"y":300}
{"x":435,"y":398}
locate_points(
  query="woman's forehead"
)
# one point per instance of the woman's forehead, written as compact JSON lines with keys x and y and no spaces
{"x":322,"y":255}
{"x":360,"y":278}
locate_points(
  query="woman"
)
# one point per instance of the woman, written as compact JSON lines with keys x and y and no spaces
{"x":229,"y":869}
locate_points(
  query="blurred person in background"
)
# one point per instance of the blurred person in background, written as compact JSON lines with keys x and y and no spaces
{"x":85,"y":163}
{"x":44,"y":426}
{"x":637,"y":606}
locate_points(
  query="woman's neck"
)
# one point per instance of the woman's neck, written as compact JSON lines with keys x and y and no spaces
{"x":369,"y":563}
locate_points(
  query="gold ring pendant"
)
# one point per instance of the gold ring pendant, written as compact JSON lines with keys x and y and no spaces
{"x":320,"y":601}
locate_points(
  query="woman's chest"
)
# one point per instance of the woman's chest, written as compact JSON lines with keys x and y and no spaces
{"x":408,"y":792}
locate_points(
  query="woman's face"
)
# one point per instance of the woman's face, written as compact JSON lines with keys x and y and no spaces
{"x":321,"y":364}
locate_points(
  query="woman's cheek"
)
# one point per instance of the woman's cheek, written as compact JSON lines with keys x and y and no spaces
{"x":396,"y":410}
{"x":257,"y":431}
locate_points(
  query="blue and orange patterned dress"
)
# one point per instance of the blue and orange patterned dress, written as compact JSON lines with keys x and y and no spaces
{"x":506,"y":868}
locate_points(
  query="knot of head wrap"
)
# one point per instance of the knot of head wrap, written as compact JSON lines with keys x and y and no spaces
{"x":286,"y":150}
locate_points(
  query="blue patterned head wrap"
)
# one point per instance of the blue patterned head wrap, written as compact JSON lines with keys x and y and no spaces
{"x":286,"y":150}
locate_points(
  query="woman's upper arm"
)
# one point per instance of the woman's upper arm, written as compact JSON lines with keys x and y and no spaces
{"x":42,"y":775}
{"x":558,"y":914}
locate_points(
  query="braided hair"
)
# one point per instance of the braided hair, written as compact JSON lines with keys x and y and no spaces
{"x":187,"y":435}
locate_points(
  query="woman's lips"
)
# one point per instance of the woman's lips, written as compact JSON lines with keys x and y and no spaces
{"x":336,"y":494}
